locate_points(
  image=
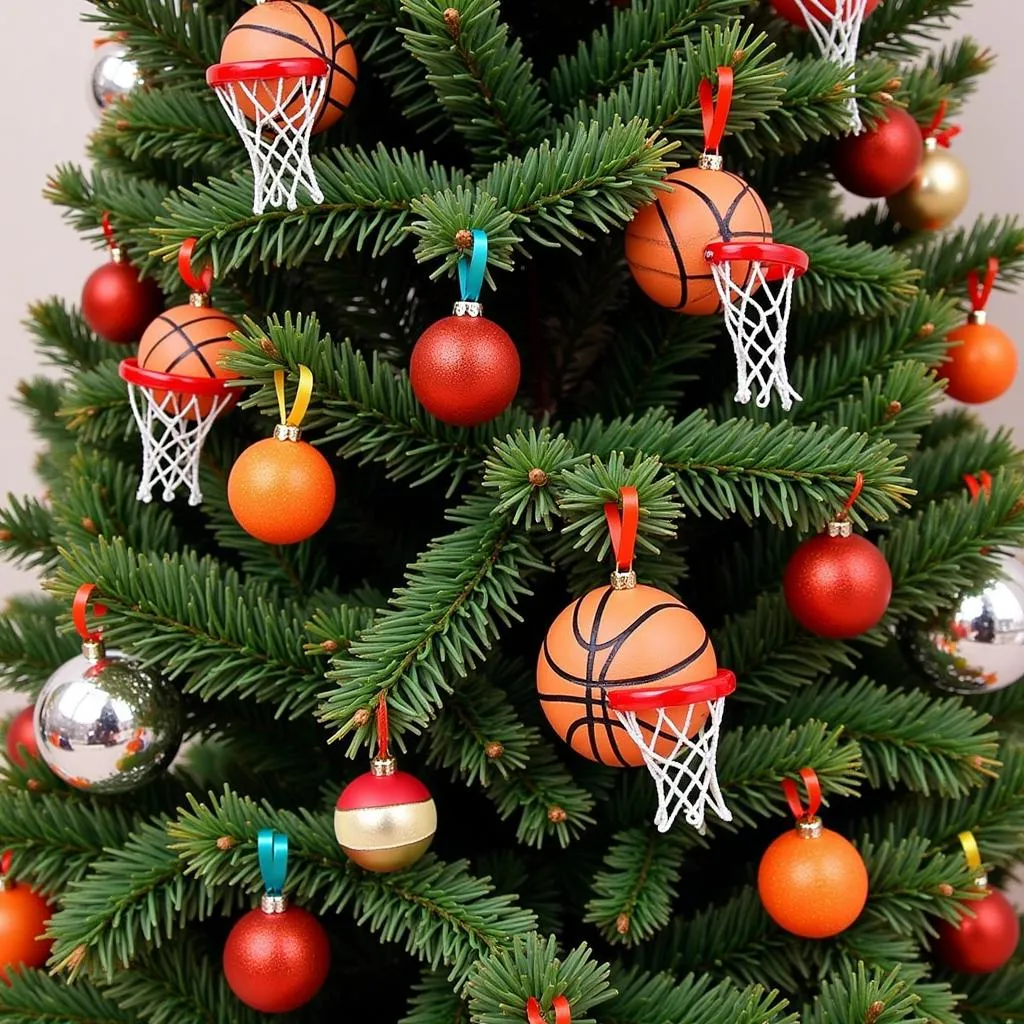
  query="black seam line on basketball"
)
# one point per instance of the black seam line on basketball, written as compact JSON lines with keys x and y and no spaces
{"x":610,"y":725}
{"x":676,"y":254}
{"x":566,"y":699}
{"x":595,"y":629}
{"x":331,"y":63}
{"x":616,"y":641}
{"x":195,"y":351}
{"x":617,"y":725}
{"x":179,"y":329}
{"x":322,"y":43}
{"x":654,"y":677}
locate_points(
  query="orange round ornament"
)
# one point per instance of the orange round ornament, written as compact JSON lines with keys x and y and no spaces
{"x":23,"y":918}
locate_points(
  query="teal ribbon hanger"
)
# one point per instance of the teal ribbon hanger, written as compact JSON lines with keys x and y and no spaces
{"x":473,"y":267}
{"x":272,"y":849}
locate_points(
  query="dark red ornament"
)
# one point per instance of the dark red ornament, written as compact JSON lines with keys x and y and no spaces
{"x":21,"y":737}
{"x":981,"y":943}
{"x":464,"y":370}
{"x":880,"y":161}
{"x":277,"y":961}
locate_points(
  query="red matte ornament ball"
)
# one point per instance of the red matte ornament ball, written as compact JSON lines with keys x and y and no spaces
{"x":21,"y":738}
{"x":790,"y":10}
{"x":984,"y":940}
{"x":982,"y":367}
{"x":23,"y":917}
{"x":277,"y":962}
{"x":837,"y":587}
{"x":464,"y":370}
{"x":882,"y":160}
{"x":117,"y":304}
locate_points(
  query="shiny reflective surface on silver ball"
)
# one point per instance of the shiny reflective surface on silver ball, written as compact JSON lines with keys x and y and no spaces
{"x":113,"y":75}
{"x":979,"y":648}
{"x":109,"y":725}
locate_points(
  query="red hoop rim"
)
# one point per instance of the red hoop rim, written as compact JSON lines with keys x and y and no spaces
{"x":254,"y":70}
{"x":784,"y":257}
{"x":644,"y":698}
{"x":130,"y":371}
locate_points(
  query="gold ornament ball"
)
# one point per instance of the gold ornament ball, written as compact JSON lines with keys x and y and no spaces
{"x":936,"y":196}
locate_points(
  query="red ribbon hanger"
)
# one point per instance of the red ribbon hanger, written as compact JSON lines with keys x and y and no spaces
{"x":563,"y":1013}
{"x":80,"y":606}
{"x":199,"y":284}
{"x":715,"y":112}
{"x":622,"y":527}
{"x":858,"y":486}
{"x":108,"y":230}
{"x":979,"y":289}
{"x":382,"y":729}
{"x":813,"y":787}
{"x":978,"y":485}
{"x":947,"y":135}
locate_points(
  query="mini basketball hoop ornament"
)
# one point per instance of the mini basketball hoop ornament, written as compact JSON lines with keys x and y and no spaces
{"x":627,"y":676}
{"x":287,"y":72}
{"x":706,"y":246}
{"x":835,"y":26}
{"x":177,"y":388}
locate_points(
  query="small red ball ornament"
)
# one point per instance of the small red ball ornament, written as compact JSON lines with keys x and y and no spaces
{"x":984,"y":940}
{"x":811,"y":880}
{"x":21,"y":738}
{"x":882,"y":160}
{"x":117,"y":304}
{"x":819,"y":10}
{"x":23,"y":918}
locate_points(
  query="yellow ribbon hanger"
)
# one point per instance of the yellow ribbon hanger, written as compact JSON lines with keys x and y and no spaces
{"x":303,"y":394}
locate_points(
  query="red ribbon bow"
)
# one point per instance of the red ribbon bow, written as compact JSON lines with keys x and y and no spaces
{"x":946,"y":136}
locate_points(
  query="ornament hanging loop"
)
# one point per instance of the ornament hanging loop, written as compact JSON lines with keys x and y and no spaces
{"x":272,"y":852}
{"x":383,"y":764}
{"x":288,"y":428}
{"x":198,"y":284}
{"x":472,"y":269}
{"x":563,"y":1012}
{"x":622,"y":529}
{"x":714,"y":111}
{"x":979,"y":290}
{"x":935,"y":137}
{"x":972,"y":854}
{"x":978,"y":484}
{"x":807,"y":820}
{"x":108,"y":233}
{"x":92,"y":639}
{"x":841,"y":526}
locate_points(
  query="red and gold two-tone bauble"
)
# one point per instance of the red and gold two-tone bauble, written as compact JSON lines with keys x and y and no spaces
{"x":667,"y":241}
{"x":385,"y":820}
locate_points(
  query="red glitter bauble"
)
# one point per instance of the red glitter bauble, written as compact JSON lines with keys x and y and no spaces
{"x":985,"y":938}
{"x":880,"y":161}
{"x":21,"y":737}
{"x":837,"y":587}
{"x":119,"y":305}
{"x":464,"y":370}
{"x":277,"y":962}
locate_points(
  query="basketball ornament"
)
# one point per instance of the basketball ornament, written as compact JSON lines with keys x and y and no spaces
{"x":706,"y":246}
{"x":465,"y":369}
{"x":287,"y":71}
{"x":177,"y":386}
{"x":281,"y":490}
{"x":811,"y":880}
{"x":981,"y":362}
{"x":385,"y":820}
{"x":627,"y":676}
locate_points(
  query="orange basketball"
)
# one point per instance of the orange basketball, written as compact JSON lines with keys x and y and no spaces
{"x":188,"y":341}
{"x":665,"y":242}
{"x":620,"y":638}
{"x":982,"y":366}
{"x":284,"y":29}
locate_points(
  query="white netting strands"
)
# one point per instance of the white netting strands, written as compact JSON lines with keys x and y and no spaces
{"x":275,"y":114}
{"x":756,"y":311}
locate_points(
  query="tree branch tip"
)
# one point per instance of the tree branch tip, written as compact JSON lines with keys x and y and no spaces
{"x":622,"y":924}
{"x":537,"y":477}
{"x":453,"y":22}
{"x":875,"y":1010}
{"x":556,"y":814}
{"x":493,"y":751}
{"x":463,"y":239}
{"x":225,"y":843}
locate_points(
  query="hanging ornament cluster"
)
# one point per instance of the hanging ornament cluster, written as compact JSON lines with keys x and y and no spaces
{"x":277,"y":956}
{"x":103,"y":723}
{"x":287,"y":72}
{"x":281,"y":490}
{"x":114,"y":74}
{"x":117,"y":304}
{"x":177,"y":386}
{"x":705,"y":245}
{"x":838,"y":584}
{"x":835,"y":27}
{"x":939,"y":189}
{"x":981,"y":363}
{"x":464,"y":368}
{"x":882,"y":160}
{"x":627,"y":676}
{"x":986,"y":936}
{"x":811,"y":880}
{"x":20,"y":739}
{"x":385,"y":819}
{"x":24,"y":915}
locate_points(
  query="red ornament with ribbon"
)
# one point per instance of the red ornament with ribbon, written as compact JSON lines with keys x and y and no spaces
{"x":838,"y":584}
{"x":627,"y":676}
{"x":981,"y":363}
{"x":385,"y":820}
{"x":24,"y":915}
{"x":939,"y":190}
{"x":812,"y":882}
{"x":117,"y":303}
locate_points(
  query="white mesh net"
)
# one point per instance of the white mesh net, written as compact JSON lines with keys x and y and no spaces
{"x":835,"y":26}
{"x":278,"y":140}
{"x":757,"y":318}
{"x":687,"y":778}
{"x":173,"y":427}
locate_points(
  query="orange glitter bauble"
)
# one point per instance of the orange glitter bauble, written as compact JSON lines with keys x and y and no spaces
{"x":23,"y":917}
{"x":813,"y":885}
{"x":982,"y":367}
{"x":610,"y":639}
{"x":667,"y":240}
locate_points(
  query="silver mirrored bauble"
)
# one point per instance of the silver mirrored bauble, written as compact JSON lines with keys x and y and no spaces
{"x":979,"y":648}
{"x":106,"y":724}
{"x":114,"y":75}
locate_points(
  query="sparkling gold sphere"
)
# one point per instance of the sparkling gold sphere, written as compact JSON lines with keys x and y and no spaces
{"x":937,"y":194}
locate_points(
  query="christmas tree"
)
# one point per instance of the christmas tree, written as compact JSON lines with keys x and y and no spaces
{"x":383,"y":586}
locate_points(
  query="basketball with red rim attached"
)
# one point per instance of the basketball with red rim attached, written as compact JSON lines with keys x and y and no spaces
{"x":188,"y":341}
{"x":283,"y":30}
{"x":610,"y":639}
{"x":666,"y":241}
{"x":819,"y":10}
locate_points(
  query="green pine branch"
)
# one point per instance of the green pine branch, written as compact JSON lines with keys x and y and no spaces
{"x":992,"y":998}
{"x":432,"y":1001}
{"x":938,"y":470}
{"x":35,"y":997}
{"x":63,"y":338}
{"x":28,"y":533}
{"x":31,"y":649}
{"x":945,"y":264}
{"x":884,"y":995}
{"x":949,"y":74}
